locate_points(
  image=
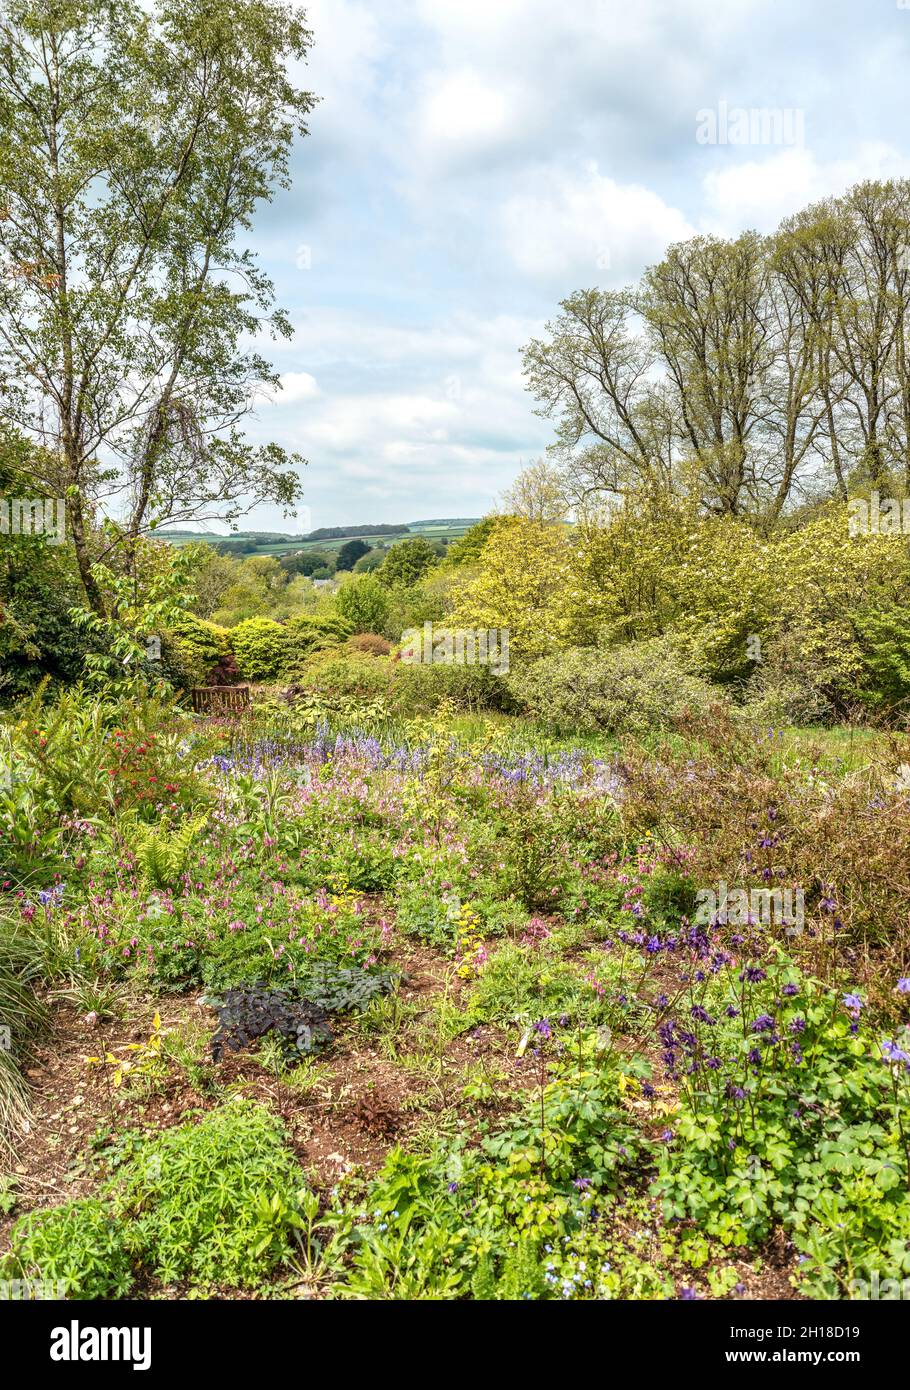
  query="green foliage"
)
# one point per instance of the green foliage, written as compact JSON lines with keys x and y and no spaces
{"x":211,"y":1202}
{"x":520,"y":984}
{"x":339,"y":989}
{"x":885,"y":643}
{"x":311,"y":633}
{"x":406,"y":689}
{"x":165,"y":852}
{"x":298,"y":1018}
{"x":261,"y":648}
{"x":130,"y":606}
{"x":625,"y":690}
{"x":801,"y":1123}
{"x":80,"y":1244}
{"x":350,"y":553}
{"x":21,"y":1013}
{"x":495,"y":1223}
{"x":363,"y":603}
{"x":407,"y":562}
{"x":531,"y":850}
{"x":574,"y":1127}
{"x":469,"y":547}
{"x":198,"y":646}
{"x":314,"y":564}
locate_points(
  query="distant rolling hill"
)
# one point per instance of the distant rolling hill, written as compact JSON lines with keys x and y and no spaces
{"x":327,"y":538}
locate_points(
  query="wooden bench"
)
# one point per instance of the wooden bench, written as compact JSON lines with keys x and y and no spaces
{"x":221,"y":699}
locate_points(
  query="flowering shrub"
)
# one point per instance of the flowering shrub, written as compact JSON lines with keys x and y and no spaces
{"x":792,"y":1111}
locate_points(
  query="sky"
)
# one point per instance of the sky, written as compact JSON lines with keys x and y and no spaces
{"x":473,"y":162}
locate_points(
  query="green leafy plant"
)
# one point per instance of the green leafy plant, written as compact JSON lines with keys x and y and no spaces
{"x":80,"y":1245}
{"x":212,"y":1202}
{"x":165,"y":851}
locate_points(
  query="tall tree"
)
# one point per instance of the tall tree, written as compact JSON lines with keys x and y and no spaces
{"x":703,"y":305}
{"x":746,"y":375}
{"x":135,"y":145}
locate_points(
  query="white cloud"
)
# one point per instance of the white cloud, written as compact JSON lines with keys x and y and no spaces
{"x":461,"y":106}
{"x":295,"y":387}
{"x":587,"y":225}
{"x":472,"y":161}
{"x":342,"y":71}
{"x":424,"y":421}
{"x":759,"y":193}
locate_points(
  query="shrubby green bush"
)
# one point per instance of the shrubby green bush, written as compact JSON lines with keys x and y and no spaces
{"x":192,"y":647}
{"x":267,"y":650}
{"x":408,"y":689}
{"x":213,"y":1202}
{"x":363,"y":603}
{"x":407,"y":562}
{"x":776,"y":696}
{"x":620,"y":690}
{"x":261,"y":648}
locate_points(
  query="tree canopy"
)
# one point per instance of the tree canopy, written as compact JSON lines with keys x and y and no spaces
{"x":135,"y":145}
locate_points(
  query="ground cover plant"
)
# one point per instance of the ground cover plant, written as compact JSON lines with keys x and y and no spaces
{"x":438,"y":1007}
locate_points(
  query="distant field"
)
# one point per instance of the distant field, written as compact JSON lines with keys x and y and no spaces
{"x":274,"y":543}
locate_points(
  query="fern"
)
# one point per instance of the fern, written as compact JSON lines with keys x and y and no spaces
{"x":521,"y":1276}
{"x":163,"y":853}
{"x":483,"y":1281}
